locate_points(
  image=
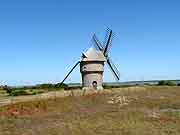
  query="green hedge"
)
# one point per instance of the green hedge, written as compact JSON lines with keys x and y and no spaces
{"x":168,"y":83}
{"x":19,"y":93}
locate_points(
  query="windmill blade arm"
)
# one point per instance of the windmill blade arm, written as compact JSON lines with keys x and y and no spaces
{"x":70,"y":72}
{"x":113,"y":69}
{"x":108,"y":42}
{"x":97,"y":43}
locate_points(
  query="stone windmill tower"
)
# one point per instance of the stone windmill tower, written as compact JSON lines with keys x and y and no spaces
{"x":92,"y":63}
{"x":92,"y":68}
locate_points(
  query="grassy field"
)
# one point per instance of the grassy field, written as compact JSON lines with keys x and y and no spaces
{"x":126,"y":111}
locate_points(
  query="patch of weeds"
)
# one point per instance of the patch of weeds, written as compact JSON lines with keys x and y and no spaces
{"x":171,"y":112}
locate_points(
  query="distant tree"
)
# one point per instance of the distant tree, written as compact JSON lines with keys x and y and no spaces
{"x":58,"y":85}
{"x":19,"y":93}
{"x":7,"y":89}
{"x":169,"y":83}
{"x":45,"y":86}
{"x":162,"y":83}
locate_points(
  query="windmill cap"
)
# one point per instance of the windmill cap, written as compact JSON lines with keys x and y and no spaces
{"x":93,"y":55}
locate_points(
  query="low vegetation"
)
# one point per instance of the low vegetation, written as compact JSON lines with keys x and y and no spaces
{"x":168,"y":83}
{"x":148,"y":110}
{"x":43,"y":88}
{"x":32,"y":90}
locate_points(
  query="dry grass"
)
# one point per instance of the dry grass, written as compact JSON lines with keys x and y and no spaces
{"x":132,"y":111}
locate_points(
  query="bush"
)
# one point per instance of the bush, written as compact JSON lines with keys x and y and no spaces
{"x":19,"y":93}
{"x":58,"y":85}
{"x":168,"y":83}
{"x":162,"y":83}
{"x":7,"y":89}
{"x":178,"y":84}
{"x":51,"y":86}
{"x":116,"y":86}
{"x":45,"y":86}
{"x":36,"y":92}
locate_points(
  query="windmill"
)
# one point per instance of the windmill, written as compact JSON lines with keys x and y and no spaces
{"x":92,"y":63}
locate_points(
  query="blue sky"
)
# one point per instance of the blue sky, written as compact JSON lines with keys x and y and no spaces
{"x":40,"y":40}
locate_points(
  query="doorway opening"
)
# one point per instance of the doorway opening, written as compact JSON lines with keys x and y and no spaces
{"x":94,"y":84}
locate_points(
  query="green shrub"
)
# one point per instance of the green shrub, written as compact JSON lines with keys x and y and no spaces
{"x":37,"y":92}
{"x":7,"y":89}
{"x":61,"y":86}
{"x":162,"y":83}
{"x":116,"y":86}
{"x":19,"y":93}
{"x":51,"y":86}
{"x":168,"y":83}
{"x":44,"y":86}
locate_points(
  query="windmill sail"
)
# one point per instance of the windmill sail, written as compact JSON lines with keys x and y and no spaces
{"x":97,"y":43}
{"x":70,"y":72}
{"x":108,"y":43}
{"x":106,"y":37}
{"x":113,"y":69}
{"x":105,"y":49}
